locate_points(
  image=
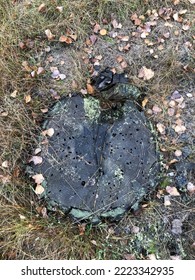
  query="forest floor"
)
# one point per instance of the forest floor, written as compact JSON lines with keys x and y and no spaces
{"x":51,"y":48}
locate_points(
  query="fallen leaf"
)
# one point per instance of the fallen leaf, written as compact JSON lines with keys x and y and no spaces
{"x":146,"y":73}
{"x":156,"y":109}
{"x":14,"y":93}
{"x":129,"y":257}
{"x":55,"y":74}
{"x":65,"y":39}
{"x":42,"y":8}
{"x":22,"y":217}
{"x":38,"y":178}
{"x":124,"y":64}
{"x":165,"y":13}
{"x":39,"y":189}
{"x":116,"y":24}
{"x":93,"y":39}
{"x":180,"y":129}
{"x":49,"y":132}
{"x":177,"y":18}
{"x":40,"y":70}
{"x":4,"y":114}
{"x":62,"y":76}
{"x":37,"y":151}
{"x":82,"y":228}
{"x":172,"y":191}
{"x":49,"y":34}
{"x":73,"y":36}
{"x":60,"y":9}
{"x":192,"y":1}
{"x":103,"y":32}
{"x":161,"y":128}
{"x":36,"y":160}
{"x":175,"y":257}
{"x":22,"y":45}
{"x":186,"y":26}
{"x":167,"y":201}
{"x":135,"y":229}
{"x":27,"y":98}
{"x":44,"y":110}
{"x":90,"y":89}
{"x":96,"y":28}
{"x":5,"y":179}
{"x":5,"y":164}
{"x":26,"y":66}
{"x":127,"y":47}
{"x":119,"y":59}
{"x":124,"y":38}
{"x":151,"y":257}
{"x":176,"y":226}
{"x":144,"y":102}
{"x":191,"y":187}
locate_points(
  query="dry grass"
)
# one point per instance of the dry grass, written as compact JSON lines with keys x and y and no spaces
{"x":24,"y":232}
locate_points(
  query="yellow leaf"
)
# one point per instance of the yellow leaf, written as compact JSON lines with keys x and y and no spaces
{"x":144,"y":102}
{"x":14,"y":93}
{"x":27,"y":98}
{"x":39,"y":189}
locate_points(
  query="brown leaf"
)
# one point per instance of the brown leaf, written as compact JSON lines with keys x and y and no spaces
{"x":119,"y":59}
{"x":93,"y":39}
{"x":37,"y":151}
{"x":82,"y":228}
{"x":27,"y":98}
{"x":65,"y":39}
{"x":90,"y":89}
{"x":156,"y":109}
{"x":146,"y":73}
{"x":36,"y":160}
{"x":127,"y":47}
{"x":49,"y":34}
{"x":22,"y":45}
{"x":38,"y":178}
{"x":96,"y":28}
{"x":103,"y":32}
{"x":44,"y":110}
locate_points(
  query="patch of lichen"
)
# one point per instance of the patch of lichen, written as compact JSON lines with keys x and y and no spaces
{"x":92,"y":108}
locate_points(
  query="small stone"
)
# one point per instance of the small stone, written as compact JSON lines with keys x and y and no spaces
{"x":189,"y":95}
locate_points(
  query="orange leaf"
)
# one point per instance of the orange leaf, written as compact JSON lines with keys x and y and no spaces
{"x":65,"y":39}
{"x":90,"y":89}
